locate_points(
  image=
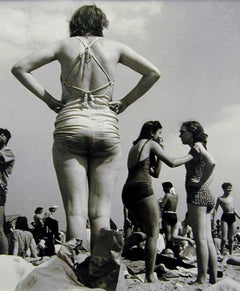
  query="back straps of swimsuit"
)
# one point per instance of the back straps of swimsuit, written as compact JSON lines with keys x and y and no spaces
{"x":139,"y":155}
{"x":85,"y":57}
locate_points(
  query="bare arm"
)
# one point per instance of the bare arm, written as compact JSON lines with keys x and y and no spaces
{"x":215,"y":209}
{"x":15,"y":247}
{"x":210,"y":165}
{"x":126,"y":219}
{"x":155,"y":169}
{"x":22,"y":71}
{"x":178,"y":237}
{"x":167,"y":159}
{"x":236,"y":214}
{"x":33,"y":248}
{"x":150,"y":75}
{"x":164,"y":201}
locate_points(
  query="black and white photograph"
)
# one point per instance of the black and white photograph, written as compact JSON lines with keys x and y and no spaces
{"x":119,"y":141}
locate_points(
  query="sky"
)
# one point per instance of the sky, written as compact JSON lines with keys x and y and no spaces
{"x":194,"y":44}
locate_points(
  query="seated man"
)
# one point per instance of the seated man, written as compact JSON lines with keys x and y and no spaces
{"x":182,"y":236}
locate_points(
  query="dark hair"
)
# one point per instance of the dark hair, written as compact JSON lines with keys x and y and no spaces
{"x":38,"y":210}
{"x":226,"y":184}
{"x":148,"y":129}
{"x":22,"y":223}
{"x":167,"y":185}
{"x":197,"y":131}
{"x":6,"y":133}
{"x":88,"y":19}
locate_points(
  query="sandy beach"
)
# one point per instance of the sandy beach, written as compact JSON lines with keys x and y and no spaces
{"x":54,"y":274}
{"x":179,"y":279}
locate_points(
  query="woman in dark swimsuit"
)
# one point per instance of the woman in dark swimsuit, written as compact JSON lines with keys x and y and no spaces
{"x":200,"y":200}
{"x":144,"y":161}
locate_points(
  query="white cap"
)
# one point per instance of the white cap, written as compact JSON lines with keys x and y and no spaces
{"x":53,"y":206}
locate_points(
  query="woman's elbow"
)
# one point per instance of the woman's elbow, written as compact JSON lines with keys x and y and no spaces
{"x":16,"y":70}
{"x":154,"y":174}
{"x":155,"y":75}
{"x":172,"y":164}
{"x":213,"y":165}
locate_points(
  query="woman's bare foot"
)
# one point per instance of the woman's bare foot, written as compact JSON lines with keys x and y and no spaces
{"x":152,"y":278}
{"x":197,"y":282}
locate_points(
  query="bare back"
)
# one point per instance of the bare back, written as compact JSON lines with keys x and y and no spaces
{"x":86,"y":73}
{"x":139,"y":152}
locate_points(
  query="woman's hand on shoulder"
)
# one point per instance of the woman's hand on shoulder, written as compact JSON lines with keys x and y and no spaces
{"x":197,"y":149}
{"x":194,"y":183}
{"x":156,"y":145}
{"x":198,"y":146}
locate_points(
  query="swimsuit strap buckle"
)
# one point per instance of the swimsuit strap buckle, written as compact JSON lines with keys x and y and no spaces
{"x":88,"y":56}
{"x":91,"y":97}
{"x":85,"y":99}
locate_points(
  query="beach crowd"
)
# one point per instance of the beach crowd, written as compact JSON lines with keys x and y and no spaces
{"x":87,"y":153}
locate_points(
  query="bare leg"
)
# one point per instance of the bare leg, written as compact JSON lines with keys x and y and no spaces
{"x":102,"y":172}
{"x":147,"y":213}
{"x":231,"y":232}
{"x":168,"y":234}
{"x":198,"y":220}
{"x":71,"y":172}
{"x":212,"y":253}
{"x":3,"y":238}
{"x":224,"y":236}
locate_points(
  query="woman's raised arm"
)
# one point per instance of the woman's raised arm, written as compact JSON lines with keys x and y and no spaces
{"x":150,"y":75}
{"x":166,"y":158}
{"x":22,"y":71}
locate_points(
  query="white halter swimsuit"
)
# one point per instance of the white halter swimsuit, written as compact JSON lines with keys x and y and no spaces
{"x":86,"y":125}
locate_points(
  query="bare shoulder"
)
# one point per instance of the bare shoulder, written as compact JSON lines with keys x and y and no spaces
{"x":154,"y":146}
{"x":198,"y":146}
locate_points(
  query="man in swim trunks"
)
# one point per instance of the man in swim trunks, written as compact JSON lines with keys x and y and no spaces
{"x":6,"y":166}
{"x":168,"y":208}
{"x":228,"y":217}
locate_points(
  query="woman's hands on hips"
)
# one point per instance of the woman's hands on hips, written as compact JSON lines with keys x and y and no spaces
{"x":117,"y":106}
{"x":54,"y":104}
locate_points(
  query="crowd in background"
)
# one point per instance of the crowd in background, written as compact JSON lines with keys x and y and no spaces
{"x":38,"y":240}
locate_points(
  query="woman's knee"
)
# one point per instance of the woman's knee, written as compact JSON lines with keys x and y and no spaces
{"x":151,"y":230}
{"x":72,"y":210}
{"x":95,"y":216}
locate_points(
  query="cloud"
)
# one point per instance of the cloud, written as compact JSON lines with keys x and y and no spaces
{"x":29,"y":27}
{"x":131,"y":20}
{"x":225,"y":134}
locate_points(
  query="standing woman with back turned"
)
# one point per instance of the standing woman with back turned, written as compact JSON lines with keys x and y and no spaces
{"x":86,"y":149}
{"x":200,"y":201}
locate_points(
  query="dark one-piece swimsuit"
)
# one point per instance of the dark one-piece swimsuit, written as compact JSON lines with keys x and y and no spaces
{"x":139,"y":183}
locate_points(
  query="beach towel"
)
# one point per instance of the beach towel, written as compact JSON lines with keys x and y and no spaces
{"x":12,"y":270}
{"x":54,"y":274}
